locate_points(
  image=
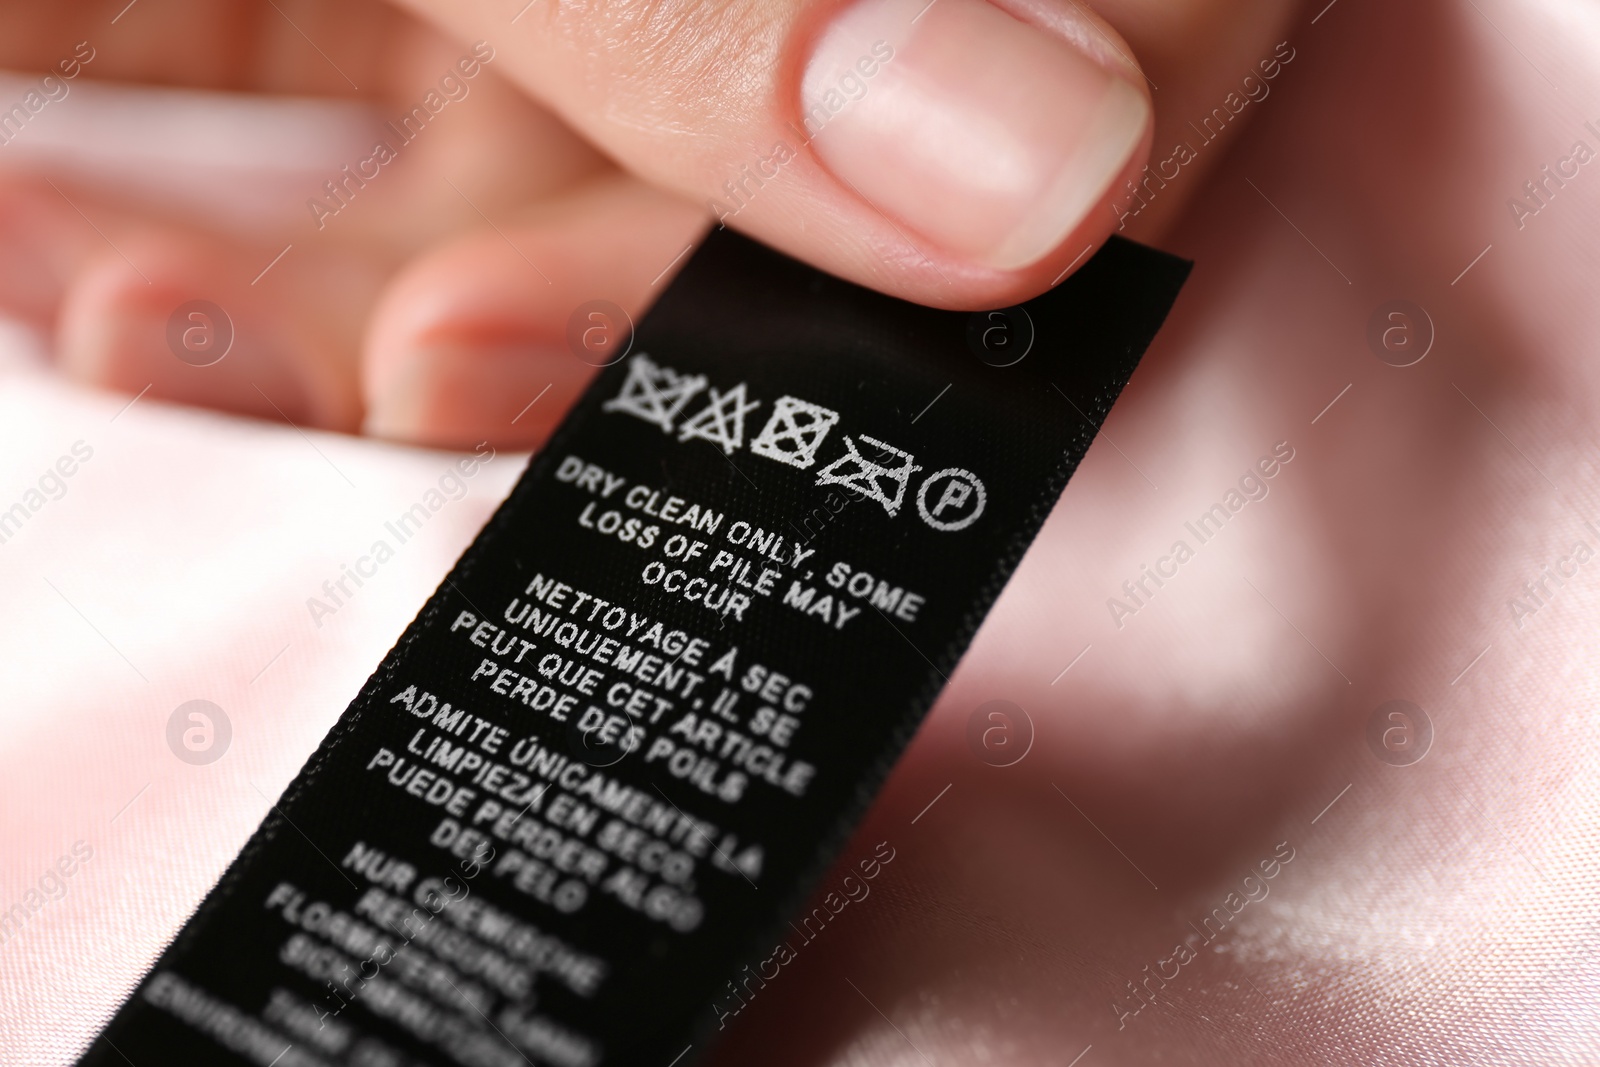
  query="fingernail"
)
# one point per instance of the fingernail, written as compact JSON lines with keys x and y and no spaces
{"x":974,"y":130}
{"x":453,"y":394}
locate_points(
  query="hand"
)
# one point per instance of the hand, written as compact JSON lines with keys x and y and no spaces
{"x":973,"y":166}
{"x":1431,"y":913}
{"x":1422,"y":544}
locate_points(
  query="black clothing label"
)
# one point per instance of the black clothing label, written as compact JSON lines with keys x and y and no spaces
{"x":631,"y":729}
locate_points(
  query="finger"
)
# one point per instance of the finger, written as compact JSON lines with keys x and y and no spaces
{"x":949,"y":152}
{"x":471,"y":342}
{"x":109,"y":284}
{"x":302,"y":46}
{"x":112,"y":238}
{"x":42,"y":243}
{"x":177,"y":316}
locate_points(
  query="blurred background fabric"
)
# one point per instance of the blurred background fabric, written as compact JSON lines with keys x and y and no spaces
{"x":149,"y":581}
{"x":1438,"y":913}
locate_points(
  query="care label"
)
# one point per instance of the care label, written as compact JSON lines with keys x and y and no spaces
{"x":609,"y":759}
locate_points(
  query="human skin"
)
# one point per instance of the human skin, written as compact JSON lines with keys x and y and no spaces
{"x":408,"y":316}
{"x":1436,"y":913}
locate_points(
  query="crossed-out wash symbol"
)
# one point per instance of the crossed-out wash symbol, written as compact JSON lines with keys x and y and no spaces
{"x":949,"y":499}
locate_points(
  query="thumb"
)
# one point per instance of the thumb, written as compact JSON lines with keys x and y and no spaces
{"x":959,"y":153}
